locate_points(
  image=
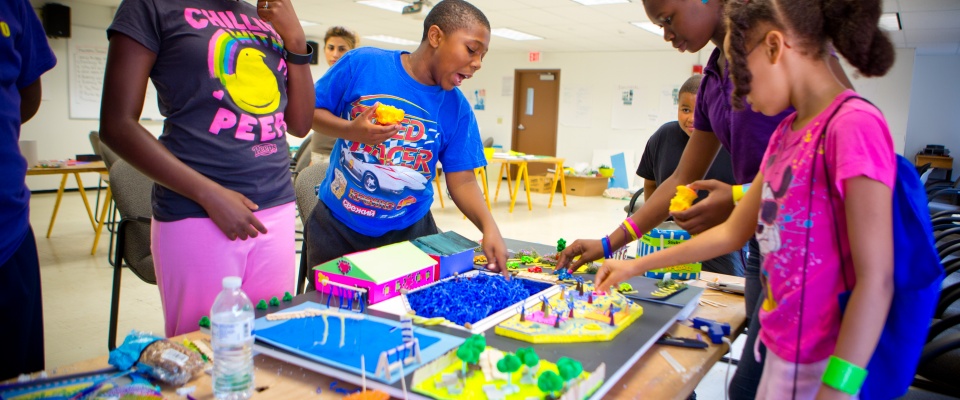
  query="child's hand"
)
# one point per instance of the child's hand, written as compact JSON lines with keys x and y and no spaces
{"x":363,"y":130}
{"x":612,"y":272}
{"x":588,"y":250}
{"x":284,"y":19}
{"x":496,"y":252}
{"x":232,"y":212}
{"x":709,"y":212}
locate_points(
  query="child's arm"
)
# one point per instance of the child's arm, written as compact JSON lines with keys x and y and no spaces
{"x":360,"y":129}
{"x":694,"y":163}
{"x":721,"y":239}
{"x":299,"y":112}
{"x":469,"y":199}
{"x":649,"y":186}
{"x":124,"y":87}
{"x":870,"y":231}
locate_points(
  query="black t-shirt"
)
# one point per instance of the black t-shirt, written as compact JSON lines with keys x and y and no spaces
{"x":222,"y":87}
{"x":660,"y":159}
{"x":663,"y":151}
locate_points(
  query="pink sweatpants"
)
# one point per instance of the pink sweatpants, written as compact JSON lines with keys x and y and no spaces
{"x":778,"y":374}
{"x":192,"y":256}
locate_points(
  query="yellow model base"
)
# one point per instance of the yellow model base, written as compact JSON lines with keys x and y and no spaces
{"x":590,"y":322}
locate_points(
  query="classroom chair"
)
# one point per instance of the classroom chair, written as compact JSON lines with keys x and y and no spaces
{"x":305,"y":187}
{"x":131,"y":192}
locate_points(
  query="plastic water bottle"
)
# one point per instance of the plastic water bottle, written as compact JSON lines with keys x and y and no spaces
{"x":231,"y":332}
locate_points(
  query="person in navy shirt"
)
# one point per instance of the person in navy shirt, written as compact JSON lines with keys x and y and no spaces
{"x":378,"y":188}
{"x":26,"y":56}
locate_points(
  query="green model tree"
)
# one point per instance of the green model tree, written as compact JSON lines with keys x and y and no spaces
{"x":549,"y":383}
{"x":508,"y":365}
{"x":529,"y":358}
{"x":569,"y":369}
{"x":469,"y":351}
{"x":468,"y":355}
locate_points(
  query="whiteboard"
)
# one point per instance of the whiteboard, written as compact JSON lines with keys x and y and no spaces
{"x":86,"y":63}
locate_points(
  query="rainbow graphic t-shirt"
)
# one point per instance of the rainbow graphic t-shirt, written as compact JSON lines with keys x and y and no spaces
{"x":221,"y":83}
{"x":376,"y":189}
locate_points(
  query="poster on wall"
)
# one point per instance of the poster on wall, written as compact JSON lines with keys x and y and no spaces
{"x":479,"y":99}
{"x":506,"y":90}
{"x":575,"y":106}
{"x":669,"y":103}
{"x":626,"y":111}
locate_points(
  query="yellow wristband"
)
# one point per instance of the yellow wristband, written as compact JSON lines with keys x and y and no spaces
{"x":738,"y":192}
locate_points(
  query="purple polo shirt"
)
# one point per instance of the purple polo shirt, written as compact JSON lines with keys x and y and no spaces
{"x":715,"y":113}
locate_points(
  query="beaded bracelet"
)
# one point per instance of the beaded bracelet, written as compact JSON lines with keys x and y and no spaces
{"x":607,"y":253}
{"x":844,"y":376}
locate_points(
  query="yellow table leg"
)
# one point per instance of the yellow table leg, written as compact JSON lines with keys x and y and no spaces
{"x":56,"y":205}
{"x":482,"y":174}
{"x":436,"y":181}
{"x":558,"y":178}
{"x":103,"y":216}
{"x":86,"y":203}
{"x":516,"y":189}
{"x":499,"y":179}
{"x":526,"y":178}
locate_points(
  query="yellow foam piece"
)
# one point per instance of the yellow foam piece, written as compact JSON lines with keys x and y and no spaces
{"x":389,"y":115}
{"x":683,"y":200}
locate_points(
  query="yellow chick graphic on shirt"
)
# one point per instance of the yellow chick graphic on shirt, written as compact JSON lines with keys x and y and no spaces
{"x":253,"y":86}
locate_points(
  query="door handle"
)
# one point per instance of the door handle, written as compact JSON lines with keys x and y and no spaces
{"x":521,"y":127}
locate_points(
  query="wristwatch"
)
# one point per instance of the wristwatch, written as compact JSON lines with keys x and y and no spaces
{"x":298,"y":59}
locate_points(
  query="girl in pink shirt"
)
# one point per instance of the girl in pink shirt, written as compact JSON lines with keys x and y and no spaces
{"x":820,"y":206}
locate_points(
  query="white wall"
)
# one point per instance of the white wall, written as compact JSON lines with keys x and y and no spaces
{"x":891,"y":94}
{"x":935,"y":111}
{"x":59,"y":137}
{"x":600,"y":73}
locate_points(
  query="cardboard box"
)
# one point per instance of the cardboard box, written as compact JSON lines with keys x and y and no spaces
{"x":586,"y":185}
{"x":541,"y":183}
{"x":453,"y":252}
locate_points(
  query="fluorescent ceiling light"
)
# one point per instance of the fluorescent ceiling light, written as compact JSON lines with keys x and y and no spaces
{"x":389,"y":5}
{"x":305,"y":24}
{"x":649,"y":27}
{"x":392,"y":40}
{"x":890,"y":22}
{"x":511,"y":34}
{"x":600,"y":2}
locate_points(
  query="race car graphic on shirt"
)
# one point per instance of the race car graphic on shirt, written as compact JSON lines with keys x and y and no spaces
{"x":373,"y":177}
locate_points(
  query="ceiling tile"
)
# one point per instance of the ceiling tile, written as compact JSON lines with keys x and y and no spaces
{"x":930,"y":19}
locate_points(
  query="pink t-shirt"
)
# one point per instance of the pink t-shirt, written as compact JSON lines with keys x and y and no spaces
{"x":858,"y":143}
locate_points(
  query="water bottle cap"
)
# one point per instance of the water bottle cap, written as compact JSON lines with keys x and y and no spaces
{"x":231,"y":282}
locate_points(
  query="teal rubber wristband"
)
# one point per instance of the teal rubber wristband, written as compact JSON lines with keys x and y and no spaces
{"x":844,"y":376}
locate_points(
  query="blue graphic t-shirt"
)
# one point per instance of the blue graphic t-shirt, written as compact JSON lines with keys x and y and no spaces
{"x":24,"y":56}
{"x":222,"y":86}
{"x":377,"y":189}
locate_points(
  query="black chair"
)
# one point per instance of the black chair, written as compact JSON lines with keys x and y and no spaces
{"x":302,"y":151}
{"x":306,"y":189}
{"x":131,"y":191}
{"x":631,"y":207}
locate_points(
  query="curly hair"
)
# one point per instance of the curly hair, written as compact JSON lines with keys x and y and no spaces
{"x":851,"y":26}
{"x":453,"y":15}
{"x":341,"y":32}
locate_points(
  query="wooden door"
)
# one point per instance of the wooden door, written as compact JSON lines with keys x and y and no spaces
{"x":536,"y":104}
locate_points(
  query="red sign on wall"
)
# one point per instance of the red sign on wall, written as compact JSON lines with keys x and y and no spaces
{"x":534,"y":56}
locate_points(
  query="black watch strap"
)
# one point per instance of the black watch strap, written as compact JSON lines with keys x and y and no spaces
{"x":298,"y":59}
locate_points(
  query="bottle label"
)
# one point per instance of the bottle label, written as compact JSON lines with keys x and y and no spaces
{"x":231,"y":333}
{"x":175,"y":357}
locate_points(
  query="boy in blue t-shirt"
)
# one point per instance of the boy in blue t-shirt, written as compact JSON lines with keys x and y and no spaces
{"x":377,"y":190}
{"x":26,"y":56}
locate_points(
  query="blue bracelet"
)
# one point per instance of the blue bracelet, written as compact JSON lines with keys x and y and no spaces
{"x":606,"y":247}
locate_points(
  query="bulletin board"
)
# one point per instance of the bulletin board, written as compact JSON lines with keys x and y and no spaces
{"x":86,"y":63}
